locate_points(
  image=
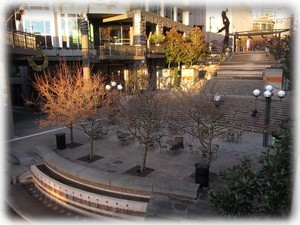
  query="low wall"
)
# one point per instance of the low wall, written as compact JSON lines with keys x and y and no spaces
{"x":141,"y":188}
{"x":85,"y":199}
{"x":274,"y":77}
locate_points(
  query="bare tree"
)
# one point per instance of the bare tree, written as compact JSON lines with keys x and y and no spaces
{"x":55,"y":97}
{"x":91,"y":106}
{"x":200,"y":116}
{"x":70,"y":100}
{"x":145,"y":116}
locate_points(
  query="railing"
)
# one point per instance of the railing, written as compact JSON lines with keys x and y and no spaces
{"x":129,"y":50}
{"x":16,"y":38}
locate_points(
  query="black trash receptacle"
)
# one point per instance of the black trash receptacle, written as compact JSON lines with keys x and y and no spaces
{"x":60,"y":140}
{"x":202,"y":175}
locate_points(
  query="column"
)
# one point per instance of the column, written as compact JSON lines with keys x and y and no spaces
{"x":186,"y":17}
{"x":175,"y":13}
{"x":162,"y":9}
{"x":85,"y":47}
{"x":137,"y":22}
{"x":139,"y":28}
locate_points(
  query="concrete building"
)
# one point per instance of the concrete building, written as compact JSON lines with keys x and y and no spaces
{"x":55,"y":26}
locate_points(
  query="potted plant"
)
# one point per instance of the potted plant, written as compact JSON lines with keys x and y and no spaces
{"x":157,"y":38}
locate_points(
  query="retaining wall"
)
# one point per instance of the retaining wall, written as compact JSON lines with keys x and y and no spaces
{"x":102,"y":193}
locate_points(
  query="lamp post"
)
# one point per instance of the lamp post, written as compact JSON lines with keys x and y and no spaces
{"x":113,"y":86}
{"x":268,"y":93}
{"x":113,"y":90}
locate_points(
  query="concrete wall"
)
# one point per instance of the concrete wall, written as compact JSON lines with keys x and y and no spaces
{"x":274,"y":77}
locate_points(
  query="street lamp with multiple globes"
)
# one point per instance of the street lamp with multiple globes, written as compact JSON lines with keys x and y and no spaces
{"x":114,"y":85}
{"x":268,"y":93}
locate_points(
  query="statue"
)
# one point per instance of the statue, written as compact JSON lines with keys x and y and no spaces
{"x":226,"y":28}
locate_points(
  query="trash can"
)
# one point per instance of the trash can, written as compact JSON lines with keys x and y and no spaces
{"x":60,"y":141}
{"x":201,"y":175}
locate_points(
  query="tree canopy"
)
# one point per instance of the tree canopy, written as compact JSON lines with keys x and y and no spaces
{"x":187,"y":50}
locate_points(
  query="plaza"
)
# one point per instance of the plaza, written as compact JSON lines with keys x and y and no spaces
{"x":114,"y":158}
{"x":47,"y":178}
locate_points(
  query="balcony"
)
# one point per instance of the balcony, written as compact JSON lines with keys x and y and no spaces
{"x":20,"y":39}
{"x":20,"y":44}
{"x":130,"y":52}
{"x":109,"y":52}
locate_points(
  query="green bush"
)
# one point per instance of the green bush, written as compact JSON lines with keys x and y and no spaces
{"x":265,"y":192}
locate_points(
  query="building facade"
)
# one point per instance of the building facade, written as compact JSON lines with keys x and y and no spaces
{"x":56,"y":28}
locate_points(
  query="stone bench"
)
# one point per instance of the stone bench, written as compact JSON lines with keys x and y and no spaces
{"x":122,"y":183}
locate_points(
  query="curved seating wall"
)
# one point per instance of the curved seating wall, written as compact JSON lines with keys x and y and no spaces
{"x":88,"y":202}
{"x":131,"y":186}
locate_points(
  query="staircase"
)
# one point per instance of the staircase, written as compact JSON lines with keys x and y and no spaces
{"x":238,"y":78}
{"x":241,"y":75}
{"x":245,"y":65}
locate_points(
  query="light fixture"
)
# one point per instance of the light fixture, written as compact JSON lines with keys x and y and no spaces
{"x":268,"y":93}
{"x":256,"y":93}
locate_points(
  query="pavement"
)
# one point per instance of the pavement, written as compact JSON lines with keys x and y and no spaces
{"x":117,"y":158}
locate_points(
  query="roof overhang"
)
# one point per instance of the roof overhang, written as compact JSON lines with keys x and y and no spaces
{"x":116,"y":18}
{"x":259,"y":32}
{"x":149,"y":17}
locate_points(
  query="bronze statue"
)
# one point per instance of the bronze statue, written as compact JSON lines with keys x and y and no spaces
{"x":226,"y":28}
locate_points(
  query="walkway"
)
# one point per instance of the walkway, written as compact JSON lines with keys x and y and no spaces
{"x":119,"y":159}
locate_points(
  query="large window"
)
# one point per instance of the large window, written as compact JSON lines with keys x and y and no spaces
{"x":119,"y":35}
{"x":41,"y":27}
{"x":70,"y":27}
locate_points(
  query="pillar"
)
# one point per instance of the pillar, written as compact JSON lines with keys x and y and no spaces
{"x":139,"y":28}
{"x":186,"y":18}
{"x":85,"y":47}
{"x":175,"y":13}
{"x":162,"y":9}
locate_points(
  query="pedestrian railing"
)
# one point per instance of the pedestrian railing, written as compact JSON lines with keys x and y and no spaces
{"x":20,"y":39}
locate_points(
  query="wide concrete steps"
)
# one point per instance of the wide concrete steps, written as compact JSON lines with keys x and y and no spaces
{"x":254,"y":74}
{"x":251,"y":56}
{"x":242,"y":120}
{"x":248,"y":65}
{"x":233,"y":86}
{"x":279,"y":111}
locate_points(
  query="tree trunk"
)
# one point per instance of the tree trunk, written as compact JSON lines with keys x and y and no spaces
{"x":71,"y":135}
{"x":91,"y":147}
{"x":209,"y":153}
{"x":143,"y":163}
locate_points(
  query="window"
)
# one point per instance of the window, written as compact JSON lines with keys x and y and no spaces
{"x":38,"y":27}
{"x":70,"y":27}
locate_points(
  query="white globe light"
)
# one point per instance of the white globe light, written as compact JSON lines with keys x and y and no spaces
{"x":267,"y":94}
{"x":281,"y":94}
{"x":256,"y":93}
{"x":269,"y":88}
{"x":120,"y":87}
{"x":113,"y":83}
{"x":108,"y":87}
